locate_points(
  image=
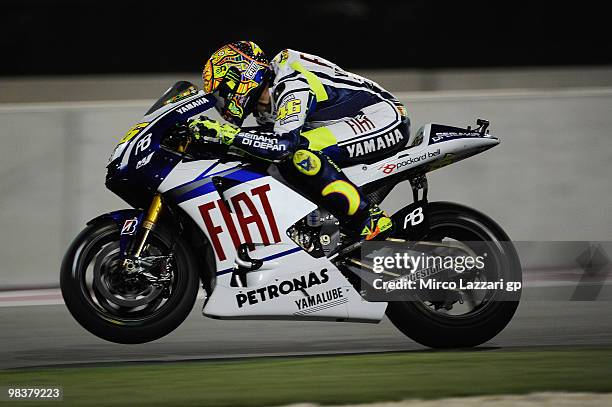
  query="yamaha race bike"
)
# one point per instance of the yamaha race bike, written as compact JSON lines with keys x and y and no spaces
{"x":260,"y":250}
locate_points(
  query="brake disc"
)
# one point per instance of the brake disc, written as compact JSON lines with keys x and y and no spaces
{"x":109,"y":259}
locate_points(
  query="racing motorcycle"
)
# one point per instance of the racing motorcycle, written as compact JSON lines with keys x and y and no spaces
{"x":260,"y":250}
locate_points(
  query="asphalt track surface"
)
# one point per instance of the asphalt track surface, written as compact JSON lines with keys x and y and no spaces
{"x":46,"y":335}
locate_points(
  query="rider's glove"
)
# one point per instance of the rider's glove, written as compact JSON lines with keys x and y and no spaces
{"x":178,"y":134}
{"x":205,"y":128}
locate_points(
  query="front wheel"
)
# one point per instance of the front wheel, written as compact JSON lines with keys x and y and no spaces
{"x":462,"y":319}
{"x":127,"y":307}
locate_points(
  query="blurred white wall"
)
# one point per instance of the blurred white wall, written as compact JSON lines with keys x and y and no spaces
{"x":117,"y":87}
{"x":550,"y":179}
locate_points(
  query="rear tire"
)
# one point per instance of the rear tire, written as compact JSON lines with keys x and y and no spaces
{"x":437,"y":330}
{"x":126,"y":324}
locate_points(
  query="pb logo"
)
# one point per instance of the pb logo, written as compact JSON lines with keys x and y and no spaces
{"x":414,"y":218}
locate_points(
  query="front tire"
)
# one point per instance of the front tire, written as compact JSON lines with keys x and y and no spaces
{"x":420,"y":322}
{"x":138,"y":313}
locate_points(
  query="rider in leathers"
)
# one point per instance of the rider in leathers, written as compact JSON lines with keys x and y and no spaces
{"x":314,"y":117}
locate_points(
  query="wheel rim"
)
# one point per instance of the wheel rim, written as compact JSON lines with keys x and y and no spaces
{"x":473,"y":303}
{"x":132,"y":302}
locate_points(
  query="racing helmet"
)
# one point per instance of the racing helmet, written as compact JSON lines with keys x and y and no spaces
{"x":236,"y":74}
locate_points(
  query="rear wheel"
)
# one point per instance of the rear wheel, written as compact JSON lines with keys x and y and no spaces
{"x":125,"y":307}
{"x":462,"y":319}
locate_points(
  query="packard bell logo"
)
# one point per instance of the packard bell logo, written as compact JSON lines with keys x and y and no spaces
{"x":388,"y":168}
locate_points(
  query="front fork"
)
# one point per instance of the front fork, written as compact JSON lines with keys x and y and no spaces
{"x":152,"y":216}
{"x":148,"y":224}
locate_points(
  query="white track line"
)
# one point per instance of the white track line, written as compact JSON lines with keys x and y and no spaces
{"x":19,"y":298}
{"x":52,"y":296}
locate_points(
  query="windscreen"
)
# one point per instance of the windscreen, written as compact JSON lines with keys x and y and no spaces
{"x":176,"y":92}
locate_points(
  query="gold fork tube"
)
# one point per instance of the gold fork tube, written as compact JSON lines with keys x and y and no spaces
{"x":149,"y":222}
{"x":183,"y":147}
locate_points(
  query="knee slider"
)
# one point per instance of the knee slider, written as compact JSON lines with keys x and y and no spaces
{"x":350,"y":193}
{"x":307,"y":162}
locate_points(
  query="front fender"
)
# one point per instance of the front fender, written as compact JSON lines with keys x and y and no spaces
{"x":127,"y":220}
{"x":118,"y":216}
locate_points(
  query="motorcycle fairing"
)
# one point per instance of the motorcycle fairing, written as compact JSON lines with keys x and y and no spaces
{"x":255,"y":208}
{"x":139,"y":160}
{"x":431,"y":149}
{"x":233,"y":203}
{"x":296,"y":286}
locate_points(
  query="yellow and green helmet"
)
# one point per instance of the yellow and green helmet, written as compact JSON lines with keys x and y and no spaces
{"x":235,"y":75}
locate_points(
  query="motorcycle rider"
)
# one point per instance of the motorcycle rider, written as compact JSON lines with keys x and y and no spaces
{"x":314,"y":119}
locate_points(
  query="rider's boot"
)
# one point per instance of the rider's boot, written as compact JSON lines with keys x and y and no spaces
{"x":377,"y":226}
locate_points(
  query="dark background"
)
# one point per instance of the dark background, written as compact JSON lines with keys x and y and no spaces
{"x":65,"y":37}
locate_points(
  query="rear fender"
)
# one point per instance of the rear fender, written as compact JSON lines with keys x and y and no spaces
{"x":412,"y":221}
